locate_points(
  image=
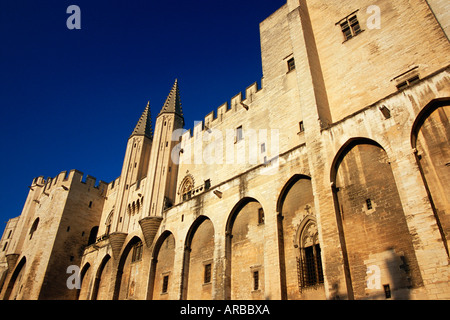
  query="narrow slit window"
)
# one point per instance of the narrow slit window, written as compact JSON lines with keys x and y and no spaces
{"x":369,"y":204}
{"x":239,"y":134}
{"x":255,"y":280}
{"x":260,"y":216}
{"x":165,"y":284}
{"x":387,"y":291}
{"x":207,"y":275}
{"x":137,"y":252}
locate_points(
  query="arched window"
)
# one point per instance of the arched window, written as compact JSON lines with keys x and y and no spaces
{"x":34,"y":227}
{"x":186,"y":187}
{"x":109,"y":222}
{"x":310,"y":260}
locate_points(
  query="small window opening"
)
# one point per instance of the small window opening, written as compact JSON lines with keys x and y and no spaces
{"x":90,"y":204}
{"x":260,"y":216}
{"x":291,"y":64}
{"x":369,"y":204}
{"x":239,"y":134}
{"x":387,"y":291}
{"x":255,"y":280}
{"x":137,"y":252}
{"x":263,"y":147}
{"x":301,"y":126}
{"x":165,"y":284}
{"x":207,"y":275}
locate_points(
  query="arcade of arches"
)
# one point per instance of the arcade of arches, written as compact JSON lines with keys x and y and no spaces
{"x":369,"y":211}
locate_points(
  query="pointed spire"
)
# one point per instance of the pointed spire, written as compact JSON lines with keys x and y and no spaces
{"x":144,"y":125}
{"x":173,"y":102}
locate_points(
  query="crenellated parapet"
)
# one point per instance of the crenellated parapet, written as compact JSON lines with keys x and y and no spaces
{"x":226,"y":110}
{"x":66,"y":180}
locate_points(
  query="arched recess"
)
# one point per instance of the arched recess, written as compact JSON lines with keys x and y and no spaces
{"x":430,"y":139}
{"x":300,"y":260}
{"x":161,"y":270}
{"x":101,"y":283}
{"x":15,"y":284}
{"x":379,"y":257}
{"x":198,"y":264}
{"x":85,"y":276}
{"x":244,"y":270}
{"x":128,"y":285}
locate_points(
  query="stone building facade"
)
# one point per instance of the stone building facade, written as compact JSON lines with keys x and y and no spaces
{"x":328,"y":181}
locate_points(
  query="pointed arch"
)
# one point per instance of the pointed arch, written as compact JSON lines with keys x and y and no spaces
{"x":285,"y":190}
{"x":430,"y":140}
{"x":244,"y":272}
{"x":120,"y":290}
{"x":100,"y":277}
{"x":83,"y":292}
{"x":198,"y":260}
{"x":424,"y":114}
{"x":14,"y":283}
{"x":296,"y":212}
{"x":161,"y":269}
{"x":370,"y":218}
{"x":345,"y":149}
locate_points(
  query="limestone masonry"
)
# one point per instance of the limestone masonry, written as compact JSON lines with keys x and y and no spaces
{"x":330,"y":180}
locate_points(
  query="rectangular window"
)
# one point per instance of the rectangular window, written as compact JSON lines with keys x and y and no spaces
{"x":137,"y":252}
{"x":291,"y":64}
{"x":263,"y":147}
{"x":301,"y":126}
{"x":387,"y":291}
{"x":239,"y":134}
{"x":369,"y":204}
{"x":165,"y":284}
{"x":255,"y":280}
{"x":207,"y":275}
{"x":350,"y":27}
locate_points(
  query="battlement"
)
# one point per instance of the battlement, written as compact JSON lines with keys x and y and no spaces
{"x":214,"y":118}
{"x":66,"y":179}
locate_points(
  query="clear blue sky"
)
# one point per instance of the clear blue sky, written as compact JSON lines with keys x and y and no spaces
{"x":69,"y":99}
